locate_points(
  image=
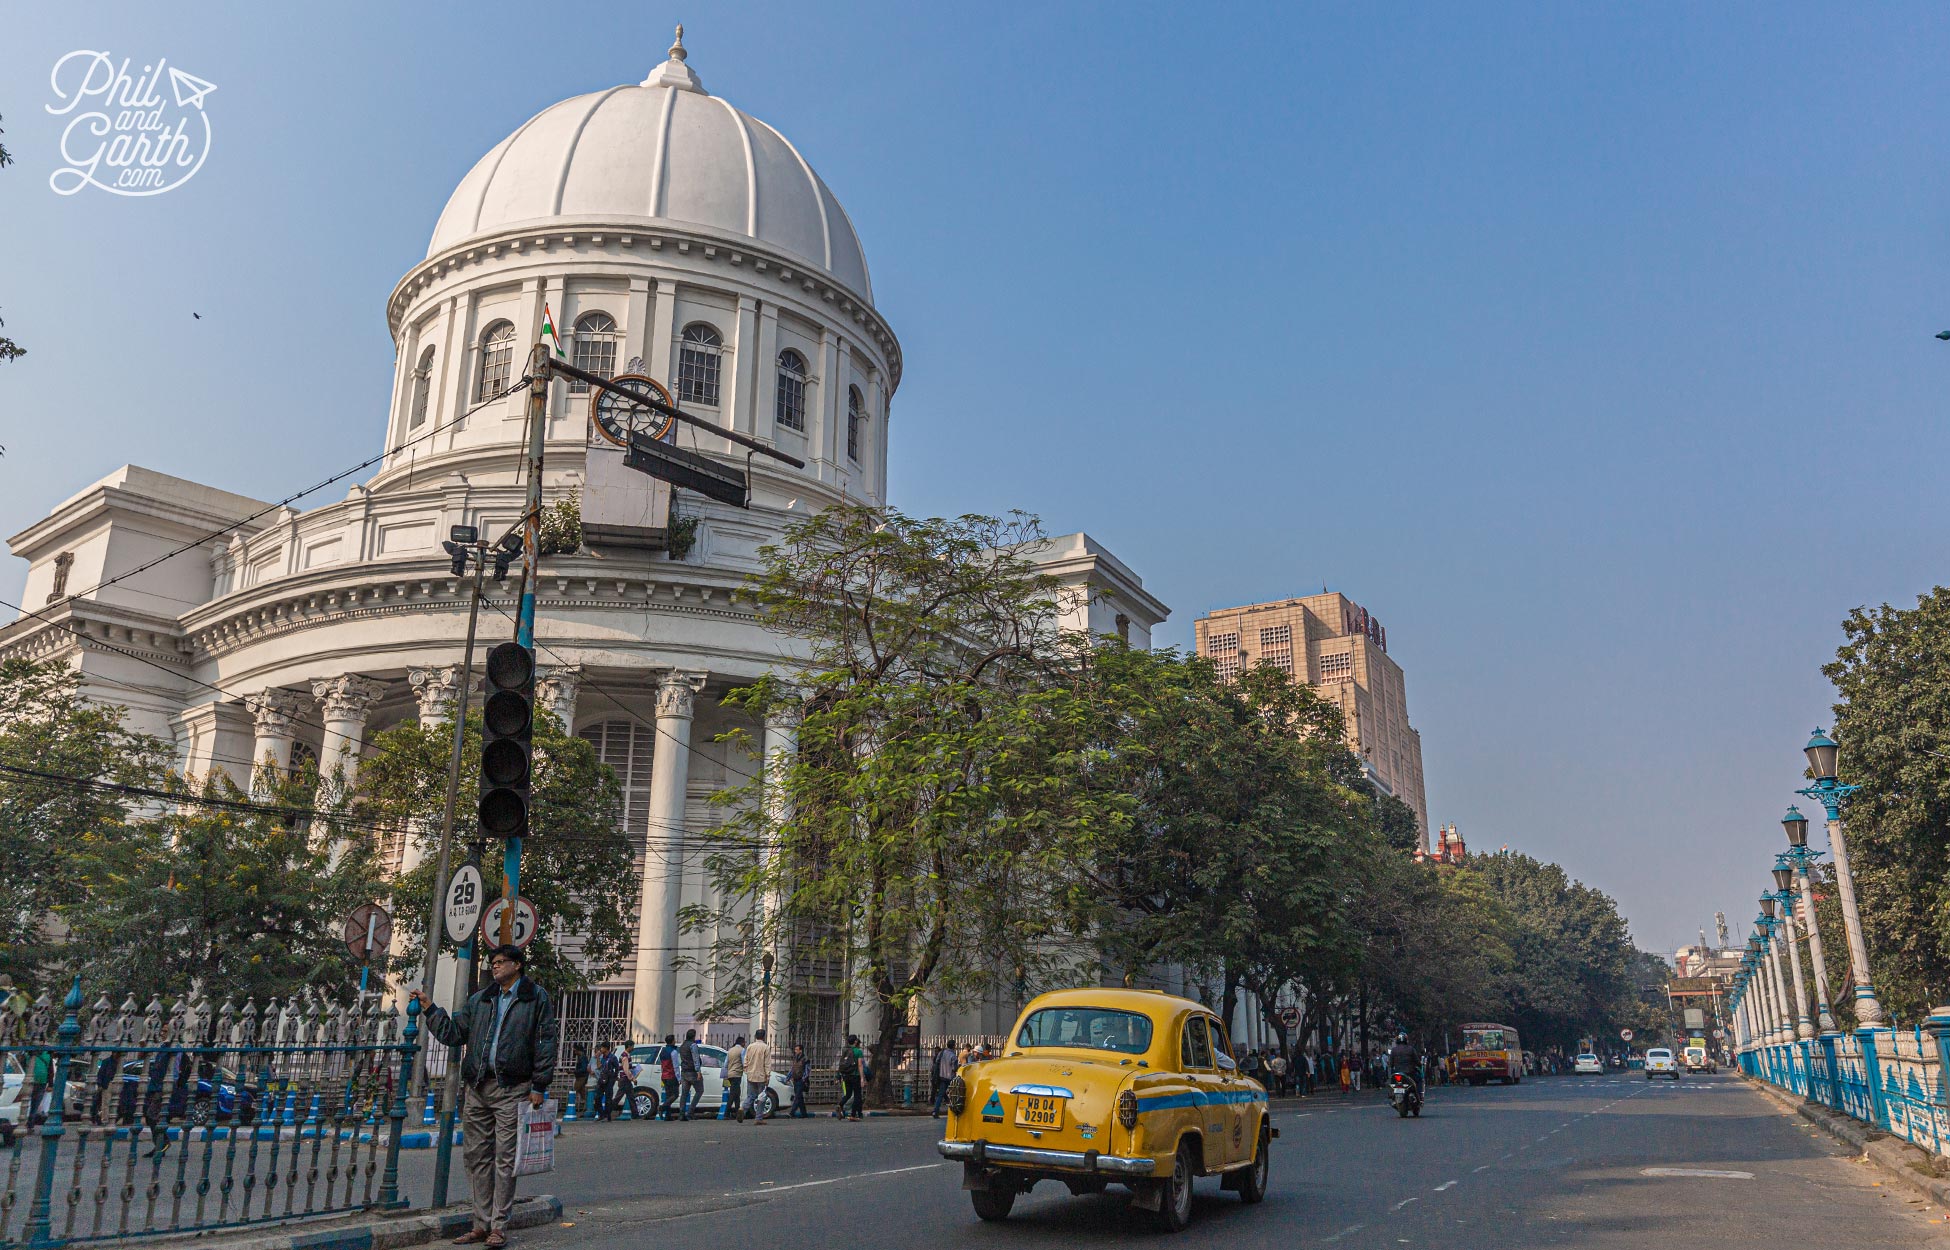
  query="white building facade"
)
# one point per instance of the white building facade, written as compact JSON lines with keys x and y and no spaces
{"x":670,"y":234}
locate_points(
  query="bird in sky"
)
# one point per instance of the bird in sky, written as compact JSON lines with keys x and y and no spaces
{"x":197,"y":315}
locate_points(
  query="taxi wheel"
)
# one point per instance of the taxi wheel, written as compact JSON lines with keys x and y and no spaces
{"x":1175,"y":1205}
{"x":1252,"y":1186}
{"x":994,"y":1203}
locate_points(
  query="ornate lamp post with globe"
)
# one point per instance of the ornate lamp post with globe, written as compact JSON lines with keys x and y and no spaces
{"x":1829,"y":792}
{"x":1800,"y":856}
{"x":1784,"y":891}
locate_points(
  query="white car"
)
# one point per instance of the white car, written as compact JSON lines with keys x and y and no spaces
{"x":12,"y":1080}
{"x":1659,"y":1062}
{"x":1588,"y":1065}
{"x":646,"y":1100}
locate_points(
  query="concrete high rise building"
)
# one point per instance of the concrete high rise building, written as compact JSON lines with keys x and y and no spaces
{"x":1334,"y":645}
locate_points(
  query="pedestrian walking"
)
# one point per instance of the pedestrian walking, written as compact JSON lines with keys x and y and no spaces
{"x":627,"y":1072}
{"x":1347,"y":1077}
{"x":508,"y":1029}
{"x":734,"y":1079}
{"x":758,"y":1075}
{"x":852,"y":1062}
{"x":946,"y":1062}
{"x":582,"y":1108}
{"x":40,"y":1074}
{"x":667,"y":1072}
{"x":689,"y":1074}
{"x":1278,"y":1066}
{"x":606,"y":1085}
{"x":105,"y":1074}
{"x":800,"y":1074}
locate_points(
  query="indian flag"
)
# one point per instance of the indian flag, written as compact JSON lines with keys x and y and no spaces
{"x":551,"y":333}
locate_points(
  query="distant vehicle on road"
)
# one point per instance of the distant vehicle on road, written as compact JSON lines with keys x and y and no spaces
{"x":1698,"y":1060}
{"x":1588,"y":1065}
{"x":1659,"y":1062}
{"x":1490,"y":1052}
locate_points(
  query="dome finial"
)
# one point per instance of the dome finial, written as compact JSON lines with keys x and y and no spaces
{"x":674,"y":72}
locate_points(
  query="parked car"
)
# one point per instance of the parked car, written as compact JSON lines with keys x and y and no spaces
{"x":1102,"y":1086}
{"x":1588,"y":1064}
{"x":1659,"y":1062}
{"x":13,"y":1081}
{"x":646,"y":1099}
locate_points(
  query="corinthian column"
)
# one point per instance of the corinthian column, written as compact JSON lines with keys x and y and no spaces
{"x":436,"y":689}
{"x":781,"y":747}
{"x":555,"y":692}
{"x":346,"y":701}
{"x":275,"y":714}
{"x":653,"y":1009}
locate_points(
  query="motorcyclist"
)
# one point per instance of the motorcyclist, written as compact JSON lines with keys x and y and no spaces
{"x":1404,"y":1059}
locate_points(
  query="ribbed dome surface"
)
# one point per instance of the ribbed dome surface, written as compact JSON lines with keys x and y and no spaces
{"x":662,"y":151}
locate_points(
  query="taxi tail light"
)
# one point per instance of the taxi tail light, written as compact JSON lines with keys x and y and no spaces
{"x":957,"y":1095}
{"x":1127,"y":1109}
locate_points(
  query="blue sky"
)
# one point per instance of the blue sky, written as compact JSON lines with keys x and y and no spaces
{"x":1589,"y":347}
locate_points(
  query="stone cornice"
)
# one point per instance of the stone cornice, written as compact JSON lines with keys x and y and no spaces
{"x":94,"y":626}
{"x":369,"y":592}
{"x":794,"y":278}
{"x":105,"y":498}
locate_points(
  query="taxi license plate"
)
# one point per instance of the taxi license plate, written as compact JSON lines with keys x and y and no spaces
{"x":1039,"y":1111}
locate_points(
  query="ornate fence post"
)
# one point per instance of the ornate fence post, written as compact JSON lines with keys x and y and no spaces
{"x":40,"y":1228}
{"x":1872,"y":1073}
{"x":389,"y":1183}
{"x":1834,"y":1068}
{"x":1939,"y":1028}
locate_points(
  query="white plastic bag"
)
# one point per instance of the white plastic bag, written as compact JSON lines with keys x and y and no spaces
{"x":535,"y":1138}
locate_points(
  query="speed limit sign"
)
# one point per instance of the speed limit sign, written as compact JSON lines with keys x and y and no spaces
{"x":526,"y":921}
{"x":465,"y":899}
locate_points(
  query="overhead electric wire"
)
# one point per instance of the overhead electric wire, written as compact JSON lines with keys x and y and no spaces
{"x":221,"y":530}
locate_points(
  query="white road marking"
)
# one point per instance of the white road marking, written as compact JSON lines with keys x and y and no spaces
{"x":1486,"y":1167}
{"x":1351,"y":1228}
{"x":857,"y":1176}
{"x":1404,"y":1202}
{"x":1444,"y":1185}
{"x":1707,"y":1172}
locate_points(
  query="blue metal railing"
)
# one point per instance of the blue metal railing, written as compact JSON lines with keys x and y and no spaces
{"x":134,"y":1121}
{"x":1892,"y":1079}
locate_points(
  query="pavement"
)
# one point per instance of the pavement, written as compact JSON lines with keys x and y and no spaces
{"x":1608,"y":1161}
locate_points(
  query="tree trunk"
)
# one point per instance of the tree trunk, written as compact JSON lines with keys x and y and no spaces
{"x":879,"y":1092}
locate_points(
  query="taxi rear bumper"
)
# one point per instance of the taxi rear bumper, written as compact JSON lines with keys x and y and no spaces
{"x":1087,"y":1162}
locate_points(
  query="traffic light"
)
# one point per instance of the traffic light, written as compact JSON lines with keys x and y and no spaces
{"x":507,"y":747}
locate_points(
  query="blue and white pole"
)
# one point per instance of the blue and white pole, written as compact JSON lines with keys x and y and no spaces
{"x":1804,"y":1027}
{"x":1800,"y":856}
{"x":1829,"y":792}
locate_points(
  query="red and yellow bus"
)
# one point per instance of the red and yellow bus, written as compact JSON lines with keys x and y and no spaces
{"x":1490,"y":1052}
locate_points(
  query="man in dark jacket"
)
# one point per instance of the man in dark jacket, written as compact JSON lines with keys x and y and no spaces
{"x":509,"y":1030}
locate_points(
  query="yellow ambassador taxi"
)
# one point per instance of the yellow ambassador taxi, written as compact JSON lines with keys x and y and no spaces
{"x":1104,"y":1086}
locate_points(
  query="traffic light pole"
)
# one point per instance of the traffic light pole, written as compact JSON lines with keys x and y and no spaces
{"x":435,"y":917}
{"x":531,"y":554}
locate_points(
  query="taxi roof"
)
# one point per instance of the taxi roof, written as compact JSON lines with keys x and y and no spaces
{"x":1153,"y":1003}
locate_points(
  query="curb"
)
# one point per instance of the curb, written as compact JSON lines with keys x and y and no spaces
{"x":389,"y":1232}
{"x":1892,"y":1155}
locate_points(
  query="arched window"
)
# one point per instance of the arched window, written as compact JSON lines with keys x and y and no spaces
{"x":497,"y":360}
{"x":422,"y":389}
{"x":697,"y":364}
{"x":595,"y":349}
{"x":790,"y":411}
{"x":855,"y":417}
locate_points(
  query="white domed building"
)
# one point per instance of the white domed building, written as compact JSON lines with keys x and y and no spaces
{"x":670,"y":234}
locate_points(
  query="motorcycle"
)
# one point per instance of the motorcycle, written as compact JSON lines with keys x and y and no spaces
{"x":1404,"y":1097}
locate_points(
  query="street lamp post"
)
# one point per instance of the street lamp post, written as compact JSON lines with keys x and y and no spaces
{"x":1783,"y":1029}
{"x":1829,"y":792}
{"x":1804,"y":1028}
{"x":1798,"y":853}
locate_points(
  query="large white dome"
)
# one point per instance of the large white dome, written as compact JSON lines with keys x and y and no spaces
{"x":663,"y":151}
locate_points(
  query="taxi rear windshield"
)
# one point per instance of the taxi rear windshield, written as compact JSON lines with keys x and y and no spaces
{"x":1093,"y":1028}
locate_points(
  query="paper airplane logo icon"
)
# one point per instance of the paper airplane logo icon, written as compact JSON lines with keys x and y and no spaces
{"x":189,"y":89}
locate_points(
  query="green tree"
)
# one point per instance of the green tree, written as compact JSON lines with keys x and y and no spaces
{"x":241,"y":896}
{"x":577,"y":865}
{"x":924,"y":833}
{"x":1571,"y":950}
{"x":60,"y":838}
{"x":1892,"y":675}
